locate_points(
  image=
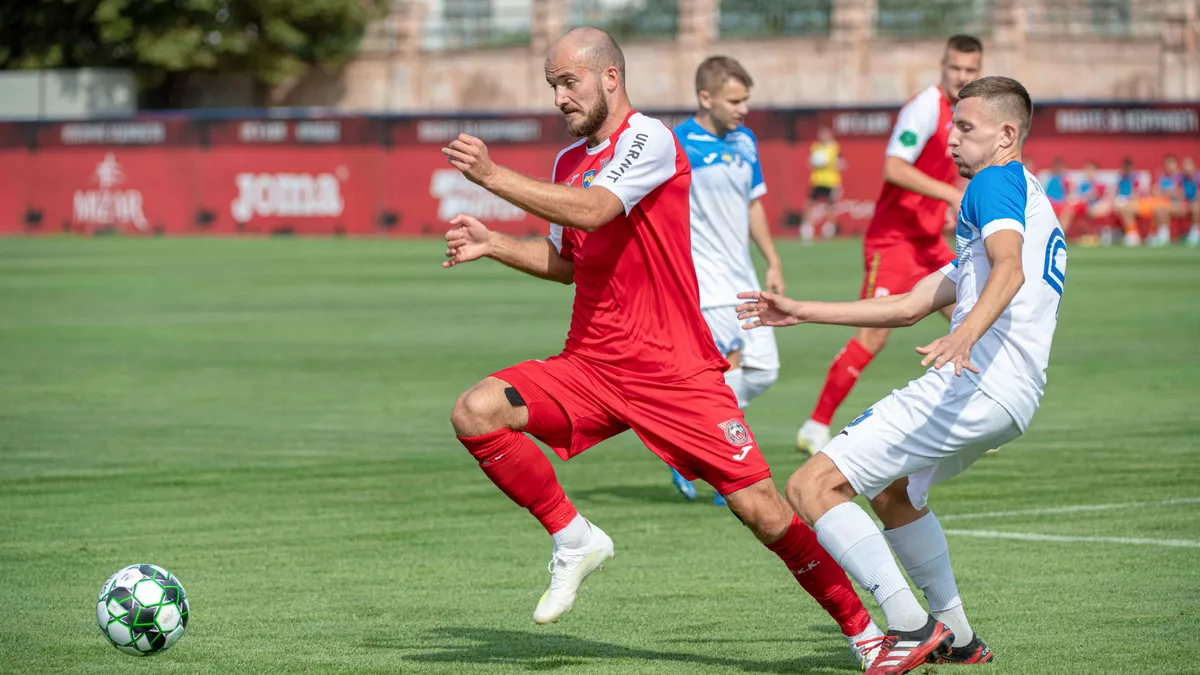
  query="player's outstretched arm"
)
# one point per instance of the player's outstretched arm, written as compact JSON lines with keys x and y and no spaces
{"x":1005,"y":279}
{"x":470,"y":240}
{"x":930,"y":295}
{"x":760,"y":233}
{"x":585,"y":210}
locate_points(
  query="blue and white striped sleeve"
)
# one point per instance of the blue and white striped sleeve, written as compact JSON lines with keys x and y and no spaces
{"x":758,"y":187}
{"x":998,"y":197}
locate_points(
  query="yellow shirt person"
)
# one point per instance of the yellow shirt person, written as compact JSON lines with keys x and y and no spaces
{"x":825,"y":159}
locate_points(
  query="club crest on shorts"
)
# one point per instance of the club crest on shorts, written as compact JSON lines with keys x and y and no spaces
{"x":735,"y":432}
{"x":858,"y":420}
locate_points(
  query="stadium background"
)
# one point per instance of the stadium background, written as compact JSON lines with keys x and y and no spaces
{"x":1111,"y":79}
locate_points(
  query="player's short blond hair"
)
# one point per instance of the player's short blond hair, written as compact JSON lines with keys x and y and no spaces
{"x":1007,"y":97}
{"x":966,"y":44}
{"x":717,"y":70}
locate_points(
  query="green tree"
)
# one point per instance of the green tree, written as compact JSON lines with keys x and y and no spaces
{"x":164,"y":40}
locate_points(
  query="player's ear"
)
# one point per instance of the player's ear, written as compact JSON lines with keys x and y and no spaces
{"x":705,"y":99}
{"x":612,"y":79}
{"x":1009,"y":135}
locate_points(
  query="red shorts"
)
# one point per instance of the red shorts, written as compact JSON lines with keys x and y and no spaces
{"x":895,"y":267}
{"x":1078,"y":209}
{"x":693,"y":424}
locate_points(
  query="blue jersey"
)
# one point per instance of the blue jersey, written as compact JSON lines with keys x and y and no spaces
{"x":1189,"y":185}
{"x":1056,"y":188}
{"x":726,"y":178}
{"x":1014,"y":353}
{"x":1126,"y":185}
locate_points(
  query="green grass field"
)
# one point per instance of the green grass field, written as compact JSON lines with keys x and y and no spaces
{"x":268,"y":419}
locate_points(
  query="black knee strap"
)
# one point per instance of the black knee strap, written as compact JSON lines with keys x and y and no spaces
{"x":514,"y":397}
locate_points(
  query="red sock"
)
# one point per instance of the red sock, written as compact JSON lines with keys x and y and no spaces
{"x":821,"y":576}
{"x":843,"y":374}
{"x":517,"y":466}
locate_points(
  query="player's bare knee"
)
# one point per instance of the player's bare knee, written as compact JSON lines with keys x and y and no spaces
{"x":799,"y":486}
{"x":761,"y":508}
{"x":894,"y":507}
{"x":477,"y":411}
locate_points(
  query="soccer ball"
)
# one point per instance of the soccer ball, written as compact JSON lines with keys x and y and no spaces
{"x":142,"y":610}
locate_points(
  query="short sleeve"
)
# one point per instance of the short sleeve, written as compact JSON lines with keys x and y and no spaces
{"x":996,"y":199}
{"x":951,"y":271}
{"x":643,"y":159}
{"x":915,"y":125}
{"x":565,"y":241}
{"x":758,"y":186}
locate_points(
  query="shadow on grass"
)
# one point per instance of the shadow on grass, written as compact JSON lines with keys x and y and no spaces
{"x":534,"y":651}
{"x":658,"y":494}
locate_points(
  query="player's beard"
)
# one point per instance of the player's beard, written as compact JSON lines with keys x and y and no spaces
{"x":593,"y":120}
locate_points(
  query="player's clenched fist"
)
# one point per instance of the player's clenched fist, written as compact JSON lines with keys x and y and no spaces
{"x":468,"y":240}
{"x":470,"y":156}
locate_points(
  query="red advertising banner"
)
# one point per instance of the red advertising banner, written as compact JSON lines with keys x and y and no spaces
{"x":386,"y":176}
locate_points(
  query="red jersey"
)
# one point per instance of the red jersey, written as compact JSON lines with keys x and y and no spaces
{"x":637,"y":301}
{"x":921,"y":139}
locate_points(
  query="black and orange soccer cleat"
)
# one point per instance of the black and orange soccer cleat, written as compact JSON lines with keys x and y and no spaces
{"x":972,"y":652}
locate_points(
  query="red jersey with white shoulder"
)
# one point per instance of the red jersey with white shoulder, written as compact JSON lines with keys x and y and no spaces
{"x":637,"y":301}
{"x":920,"y":138}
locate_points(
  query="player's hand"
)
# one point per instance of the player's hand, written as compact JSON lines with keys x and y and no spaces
{"x":764,"y":308}
{"x":470,"y":156}
{"x":468,"y":240}
{"x":775,"y":280}
{"x":954,"y":348}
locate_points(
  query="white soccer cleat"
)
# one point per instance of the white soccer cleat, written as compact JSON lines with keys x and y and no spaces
{"x":1160,"y":238}
{"x":866,"y":645}
{"x":568,"y":570}
{"x":811,"y":437}
{"x":1193,"y":237}
{"x":1132,"y":239}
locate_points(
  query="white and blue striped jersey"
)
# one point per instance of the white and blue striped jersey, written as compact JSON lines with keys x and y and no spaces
{"x":726,"y":177}
{"x":1013,"y":355}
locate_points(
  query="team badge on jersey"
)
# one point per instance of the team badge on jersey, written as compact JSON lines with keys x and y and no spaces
{"x":588,"y":177}
{"x":735,"y":432}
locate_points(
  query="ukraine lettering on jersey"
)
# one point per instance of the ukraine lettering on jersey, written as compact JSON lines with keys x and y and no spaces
{"x":1014,"y":353}
{"x":636,"y":306}
{"x":726,"y":178}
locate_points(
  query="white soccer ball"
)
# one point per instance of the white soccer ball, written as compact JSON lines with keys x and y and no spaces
{"x":819,"y":158}
{"x":142,"y":609}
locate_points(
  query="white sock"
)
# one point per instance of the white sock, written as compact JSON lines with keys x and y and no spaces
{"x":755,"y":381}
{"x":734,"y":378}
{"x":921,"y":548}
{"x":815,"y":425}
{"x":856,"y":543}
{"x":575,"y":534}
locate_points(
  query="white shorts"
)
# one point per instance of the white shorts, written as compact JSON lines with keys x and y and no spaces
{"x":930,"y":431}
{"x":757,"y":346}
